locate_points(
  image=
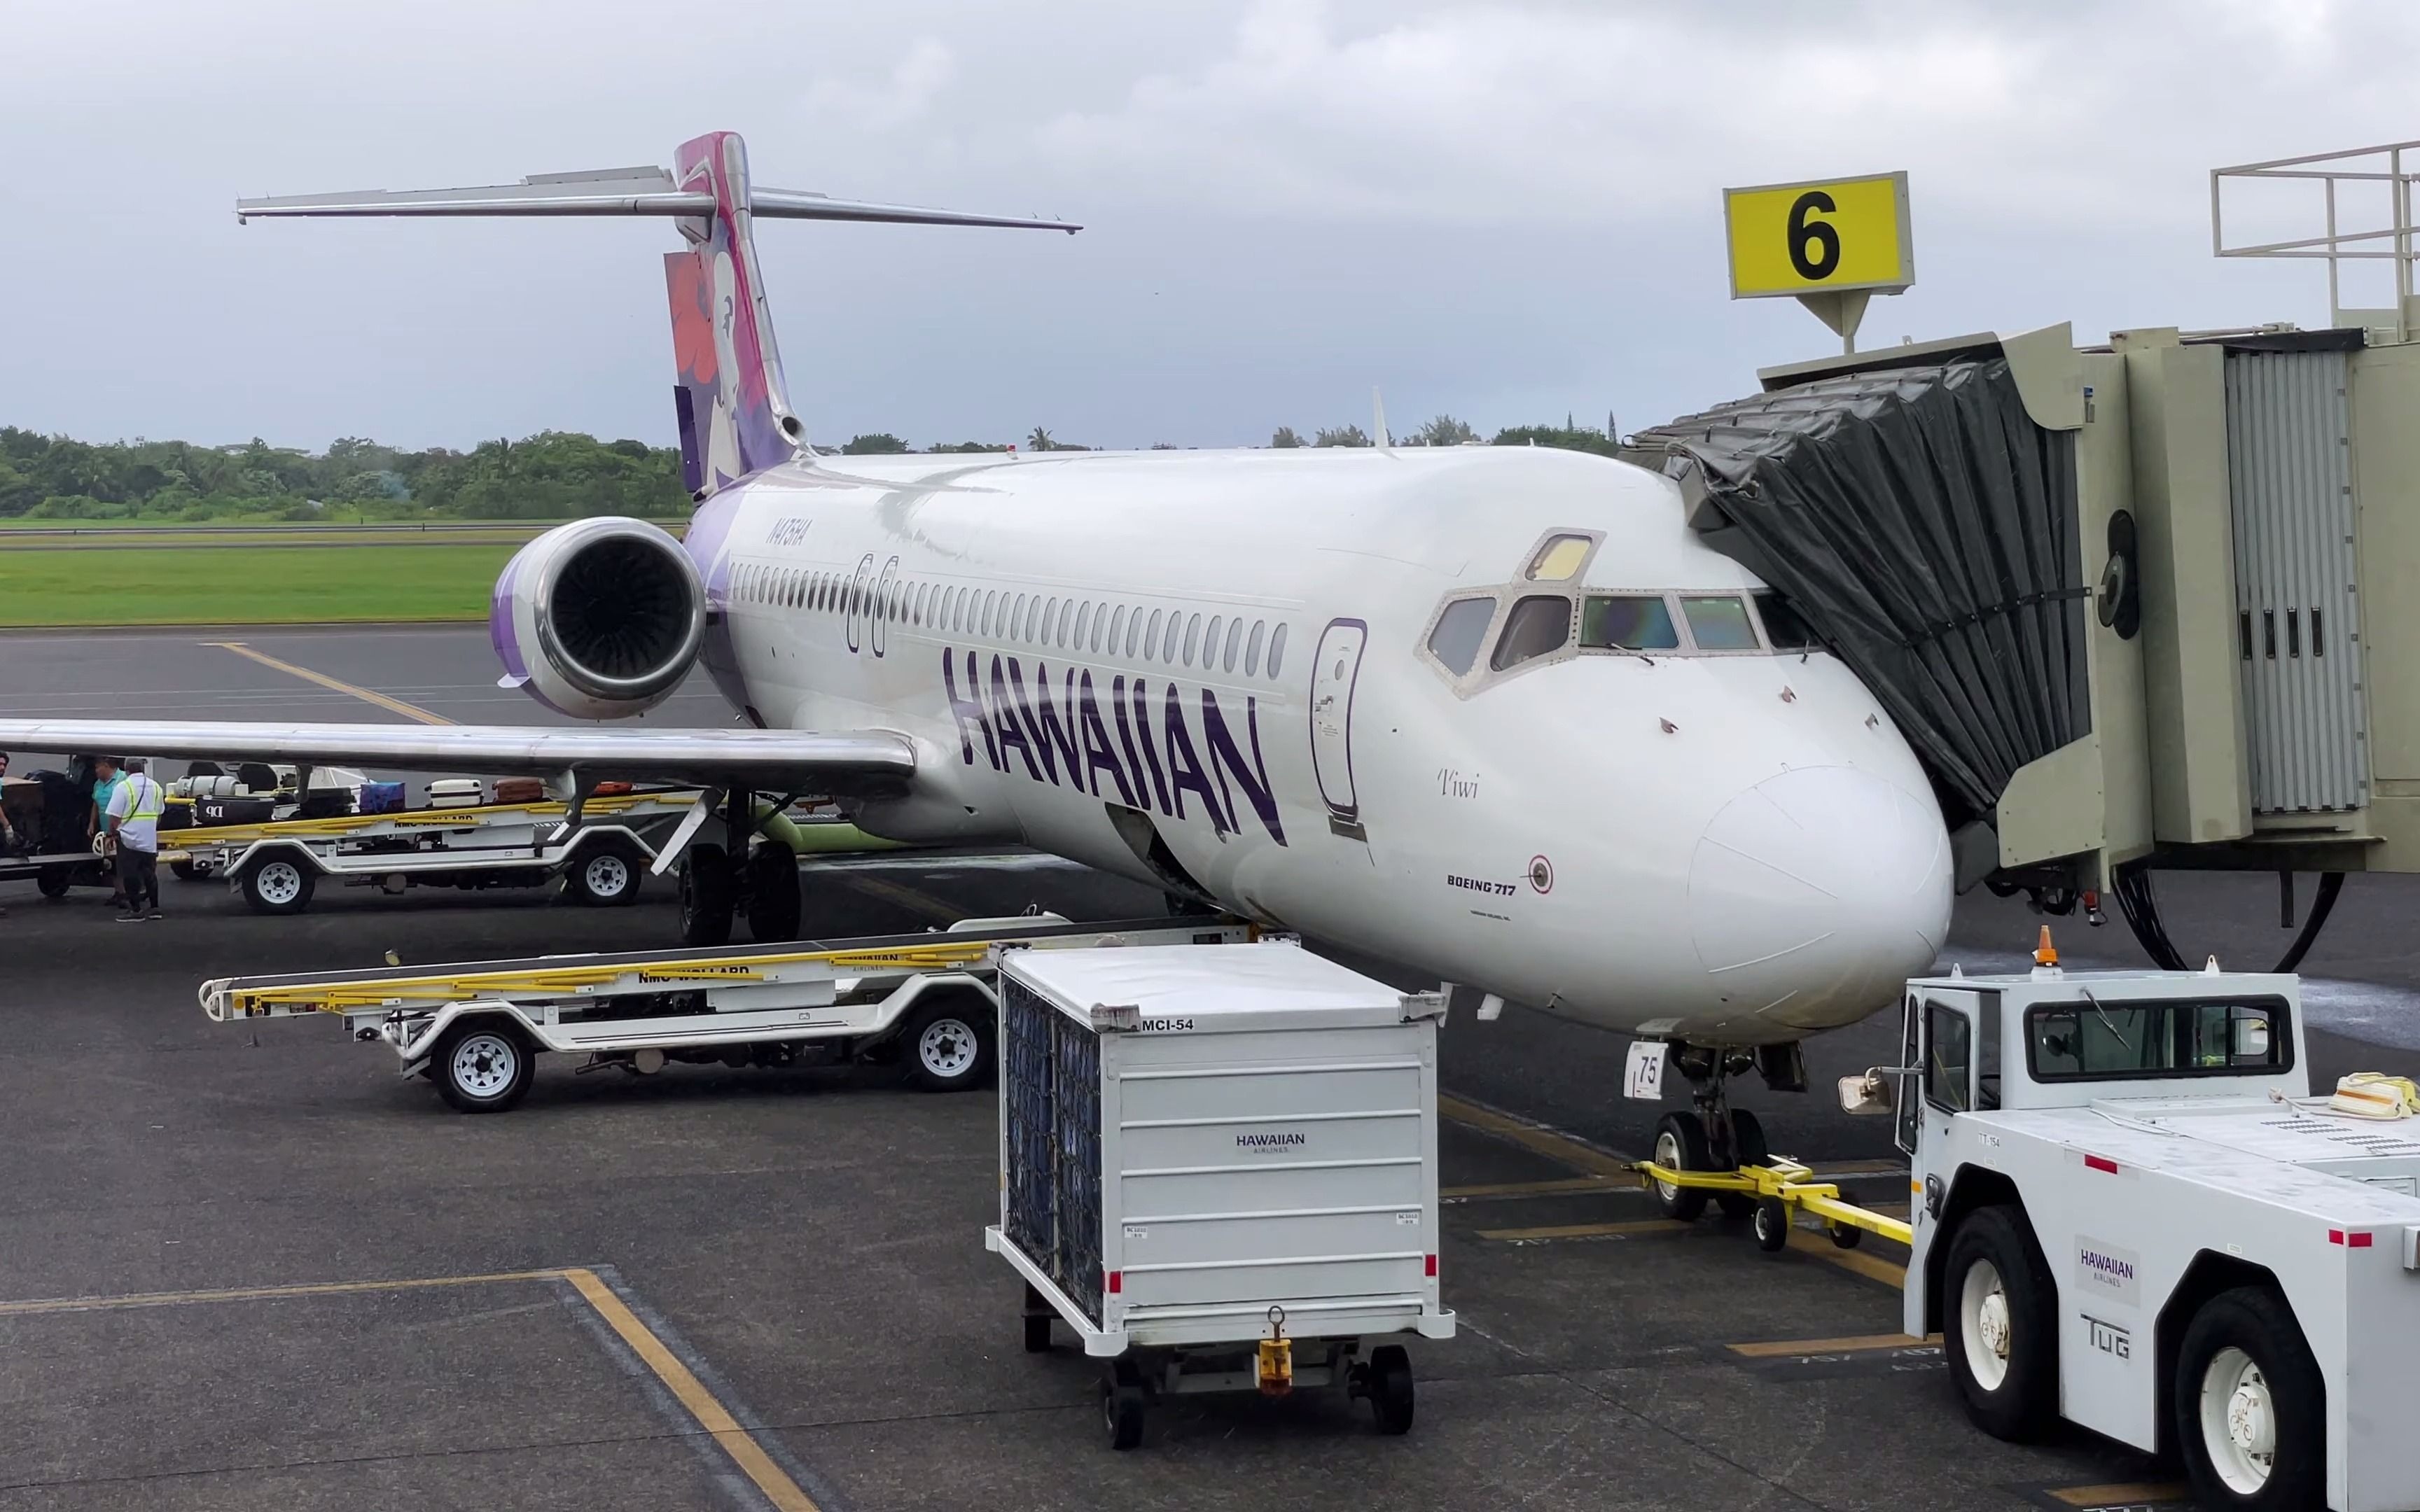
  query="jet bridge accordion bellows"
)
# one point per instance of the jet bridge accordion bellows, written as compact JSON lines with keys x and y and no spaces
{"x":1050,"y":1066}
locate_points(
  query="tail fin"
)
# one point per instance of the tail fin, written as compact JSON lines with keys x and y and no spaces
{"x":735,"y":415}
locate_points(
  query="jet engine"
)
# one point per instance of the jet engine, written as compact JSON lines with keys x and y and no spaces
{"x":600,"y":619}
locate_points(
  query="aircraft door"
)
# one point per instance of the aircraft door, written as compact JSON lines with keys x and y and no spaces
{"x":1333,"y":674}
{"x":884,"y":588}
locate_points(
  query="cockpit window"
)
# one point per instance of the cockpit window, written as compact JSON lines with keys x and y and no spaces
{"x":1558,"y":560}
{"x":1719,"y":624}
{"x":1456,"y":639}
{"x":1538,"y":624}
{"x":1628,"y":624}
{"x":1783,"y":629}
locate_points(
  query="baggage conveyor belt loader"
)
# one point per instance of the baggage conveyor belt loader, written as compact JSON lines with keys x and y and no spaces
{"x":2129,"y":1212}
{"x":477,"y":1029}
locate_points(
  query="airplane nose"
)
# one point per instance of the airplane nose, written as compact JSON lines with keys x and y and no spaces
{"x":1815,"y":893}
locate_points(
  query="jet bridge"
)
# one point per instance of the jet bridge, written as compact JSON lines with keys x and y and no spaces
{"x":2137,"y":606}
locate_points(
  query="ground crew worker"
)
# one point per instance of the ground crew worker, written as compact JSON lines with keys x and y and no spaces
{"x":134,"y":809}
{"x":105,"y":776}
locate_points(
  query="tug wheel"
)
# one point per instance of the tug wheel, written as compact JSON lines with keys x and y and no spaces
{"x":1681,"y":1146}
{"x":1999,"y":1328}
{"x":2250,"y":1405}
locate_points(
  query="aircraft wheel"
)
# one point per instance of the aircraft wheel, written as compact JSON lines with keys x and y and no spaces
{"x":705,"y":897}
{"x":1681,"y":1146}
{"x":1999,"y":1328}
{"x":1747,"y":1148}
{"x":2250,"y":1405}
{"x":773,"y":908}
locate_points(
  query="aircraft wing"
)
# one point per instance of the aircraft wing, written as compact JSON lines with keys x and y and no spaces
{"x":786,"y":760}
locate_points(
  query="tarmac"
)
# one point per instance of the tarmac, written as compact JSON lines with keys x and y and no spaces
{"x":247,"y":1266}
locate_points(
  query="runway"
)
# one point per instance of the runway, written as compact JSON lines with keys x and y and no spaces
{"x":250,"y":1267}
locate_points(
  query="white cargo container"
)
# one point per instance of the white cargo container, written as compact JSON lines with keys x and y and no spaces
{"x":1219,"y":1167}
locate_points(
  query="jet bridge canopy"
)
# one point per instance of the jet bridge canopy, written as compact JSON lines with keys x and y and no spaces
{"x":1927,"y":528}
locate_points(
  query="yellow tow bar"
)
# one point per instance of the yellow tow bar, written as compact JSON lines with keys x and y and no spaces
{"x":1783,"y":1186}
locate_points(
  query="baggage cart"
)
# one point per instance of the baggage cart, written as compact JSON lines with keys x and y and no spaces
{"x":1220,"y":1170}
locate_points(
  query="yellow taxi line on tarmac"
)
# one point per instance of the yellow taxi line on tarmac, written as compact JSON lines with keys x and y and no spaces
{"x":1546,"y":1141}
{"x":1639,"y":1226}
{"x":701,"y":1404}
{"x":316,"y":1288}
{"x":913,"y":899}
{"x":1872,"y":1267}
{"x":1533,"y":1189}
{"x":409,"y":711}
{"x":2123,"y":1494}
{"x":1790,"y":1349}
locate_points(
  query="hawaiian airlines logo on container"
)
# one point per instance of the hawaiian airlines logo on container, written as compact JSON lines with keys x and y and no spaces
{"x":2112,"y":1273}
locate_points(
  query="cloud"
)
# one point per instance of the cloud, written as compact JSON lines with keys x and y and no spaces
{"x":904,"y":96}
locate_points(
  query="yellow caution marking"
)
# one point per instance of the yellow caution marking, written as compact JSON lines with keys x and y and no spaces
{"x":320,"y":1288}
{"x":1534,"y":1189}
{"x":1791,"y":1349}
{"x":2123,"y":1493}
{"x":409,"y":711}
{"x":913,"y":899}
{"x":711,"y":1415}
{"x":1641,"y":1225}
{"x":1551,"y":1143}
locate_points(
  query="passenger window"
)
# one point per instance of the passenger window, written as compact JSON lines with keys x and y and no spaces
{"x":1210,"y":645}
{"x":1150,"y":637}
{"x":1538,"y":624}
{"x":1123,"y":630}
{"x":1558,"y":560}
{"x":1106,"y":628}
{"x":1948,"y":1058}
{"x":1234,"y":642}
{"x":1193,"y":637}
{"x":1719,"y":624}
{"x":1050,"y":614}
{"x":1455,"y":640}
{"x":1632,"y":623}
{"x":1784,"y":630}
{"x":1277,"y":648}
{"x":1253,"y":649}
{"x":990,"y":611}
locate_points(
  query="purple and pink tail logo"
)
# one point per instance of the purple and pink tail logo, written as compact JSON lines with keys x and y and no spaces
{"x":735,"y":415}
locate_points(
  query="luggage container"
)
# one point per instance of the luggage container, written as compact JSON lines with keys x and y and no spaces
{"x":1218,"y":1169}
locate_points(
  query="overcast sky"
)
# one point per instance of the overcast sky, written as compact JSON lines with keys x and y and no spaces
{"x":1503,"y":211}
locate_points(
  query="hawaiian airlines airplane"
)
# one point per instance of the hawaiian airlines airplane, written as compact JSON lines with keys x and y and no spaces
{"x":1493,"y":711}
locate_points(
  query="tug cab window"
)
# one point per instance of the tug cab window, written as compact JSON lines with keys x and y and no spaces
{"x":2095,"y":1041}
{"x":1719,"y":624}
{"x":1538,"y":624}
{"x":1629,"y":623}
{"x":1784,"y":630}
{"x":1948,"y":1058}
{"x":1456,"y":640}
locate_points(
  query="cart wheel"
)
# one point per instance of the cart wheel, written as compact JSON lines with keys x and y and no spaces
{"x":278,"y":884}
{"x":948,"y":1043}
{"x":1772,"y":1224}
{"x":1390,"y":1388}
{"x":190,"y":871}
{"x":1681,"y":1146}
{"x":1122,"y":1404}
{"x":2249,"y":1399}
{"x":1847,"y":1236}
{"x":1747,"y":1148}
{"x":773,"y":908}
{"x":1999,"y":1328}
{"x":706,"y":898}
{"x":482,"y":1069}
{"x":1037,"y":1334}
{"x":54,"y":881}
{"x":606,"y":875}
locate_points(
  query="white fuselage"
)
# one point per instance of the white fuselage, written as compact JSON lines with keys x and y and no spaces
{"x":1735,"y":848}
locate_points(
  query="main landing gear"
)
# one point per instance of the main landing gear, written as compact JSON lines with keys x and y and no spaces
{"x":760,"y":882}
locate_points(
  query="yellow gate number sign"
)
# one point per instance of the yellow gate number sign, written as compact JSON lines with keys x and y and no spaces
{"x":1824,"y":237}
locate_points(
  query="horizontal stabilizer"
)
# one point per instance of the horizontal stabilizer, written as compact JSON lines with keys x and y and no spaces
{"x":772,"y":760}
{"x":618,"y":192}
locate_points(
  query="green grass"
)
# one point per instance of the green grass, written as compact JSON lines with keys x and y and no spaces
{"x":266,"y":585}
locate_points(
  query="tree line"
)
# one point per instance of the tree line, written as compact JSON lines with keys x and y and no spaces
{"x":552,"y":475}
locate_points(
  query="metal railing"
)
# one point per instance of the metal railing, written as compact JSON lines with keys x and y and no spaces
{"x":2382,"y":164}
